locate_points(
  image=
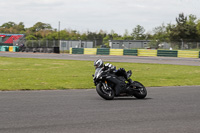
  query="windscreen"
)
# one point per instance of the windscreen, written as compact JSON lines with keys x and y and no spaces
{"x":96,"y":71}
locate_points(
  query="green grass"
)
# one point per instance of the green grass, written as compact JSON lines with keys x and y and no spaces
{"x":42,"y":74}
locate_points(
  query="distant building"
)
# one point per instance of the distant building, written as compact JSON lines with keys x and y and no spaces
{"x":66,"y":44}
{"x":128,"y":44}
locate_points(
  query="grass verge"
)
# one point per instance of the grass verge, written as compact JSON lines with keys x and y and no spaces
{"x":43,"y":74}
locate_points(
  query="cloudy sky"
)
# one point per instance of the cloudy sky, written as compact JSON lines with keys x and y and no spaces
{"x":93,"y":15}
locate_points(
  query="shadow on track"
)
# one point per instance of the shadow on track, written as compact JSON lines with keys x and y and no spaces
{"x":130,"y":98}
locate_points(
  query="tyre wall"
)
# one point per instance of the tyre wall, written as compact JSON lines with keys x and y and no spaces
{"x":30,"y":49}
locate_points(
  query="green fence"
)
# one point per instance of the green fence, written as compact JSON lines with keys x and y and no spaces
{"x":103,"y":51}
{"x":167,"y":53}
{"x":132,"y":52}
{"x":77,"y":50}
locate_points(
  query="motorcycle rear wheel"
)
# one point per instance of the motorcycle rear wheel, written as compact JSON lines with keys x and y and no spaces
{"x":105,"y":94}
{"x":140,"y":91}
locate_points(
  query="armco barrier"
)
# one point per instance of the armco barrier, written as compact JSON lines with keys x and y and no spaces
{"x":91,"y":51}
{"x":103,"y":51}
{"x":132,"y":52}
{"x":147,"y":52}
{"x":116,"y":51}
{"x":188,"y":54}
{"x":167,"y":53}
{"x":77,"y":50}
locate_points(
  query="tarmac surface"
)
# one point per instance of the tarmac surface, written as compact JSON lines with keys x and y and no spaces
{"x":165,"y":110}
{"x":132,"y":59}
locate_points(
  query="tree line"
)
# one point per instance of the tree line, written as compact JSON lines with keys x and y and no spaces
{"x":186,"y":28}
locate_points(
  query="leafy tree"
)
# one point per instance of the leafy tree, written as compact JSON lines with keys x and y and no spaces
{"x":184,"y":30}
{"x":138,"y":33}
{"x":41,"y":26}
{"x":127,"y":36}
{"x":31,"y":37}
{"x":84,"y":36}
{"x":8,"y":25}
{"x":192,"y":27}
{"x":96,"y":37}
{"x":115,"y":36}
{"x":198,"y":28}
{"x":20,"y":28}
{"x":52,"y":36}
{"x":161,"y":33}
{"x":39,"y":30}
{"x":12,"y":28}
{"x":192,"y":20}
{"x":106,"y":39}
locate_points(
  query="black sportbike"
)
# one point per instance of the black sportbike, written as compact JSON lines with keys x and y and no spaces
{"x":107,"y":84}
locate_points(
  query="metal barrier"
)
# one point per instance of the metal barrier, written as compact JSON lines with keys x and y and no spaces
{"x":188,"y":54}
{"x":103,"y":51}
{"x":90,"y":50}
{"x":132,"y":52}
{"x":137,"y":52}
{"x":77,"y":50}
{"x":167,"y":53}
{"x":147,"y":52}
{"x":116,"y":51}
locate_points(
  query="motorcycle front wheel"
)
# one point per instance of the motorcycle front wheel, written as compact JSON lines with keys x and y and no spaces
{"x":140,"y":91}
{"x":104,"y":93}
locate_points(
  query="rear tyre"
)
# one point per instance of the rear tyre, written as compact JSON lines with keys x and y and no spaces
{"x":105,"y":94}
{"x":140,"y":91}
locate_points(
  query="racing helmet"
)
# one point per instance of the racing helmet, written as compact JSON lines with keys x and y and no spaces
{"x":98,"y":63}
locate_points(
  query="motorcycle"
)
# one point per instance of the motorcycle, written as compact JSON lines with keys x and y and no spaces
{"x":106,"y":81}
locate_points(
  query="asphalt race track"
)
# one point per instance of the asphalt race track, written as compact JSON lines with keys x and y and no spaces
{"x":165,"y":110}
{"x":133,"y":59}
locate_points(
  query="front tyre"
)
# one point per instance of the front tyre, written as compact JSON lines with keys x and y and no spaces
{"x":104,"y":93}
{"x":140,"y":91}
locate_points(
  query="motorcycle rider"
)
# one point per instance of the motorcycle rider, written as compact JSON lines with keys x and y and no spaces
{"x":120,"y":73}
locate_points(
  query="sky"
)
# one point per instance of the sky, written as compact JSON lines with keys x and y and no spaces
{"x":96,"y":15}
